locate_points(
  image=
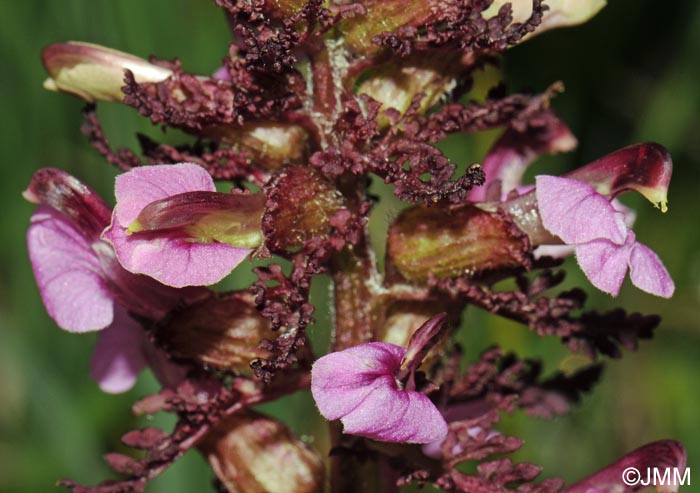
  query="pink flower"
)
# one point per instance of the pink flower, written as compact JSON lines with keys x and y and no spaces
{"x":169,"y":255}
{"x":359,"y":387}
{"x":605,"y":246}
{"x":82,"y":285}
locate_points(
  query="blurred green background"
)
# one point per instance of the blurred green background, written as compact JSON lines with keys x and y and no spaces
{"x":632,"y":74}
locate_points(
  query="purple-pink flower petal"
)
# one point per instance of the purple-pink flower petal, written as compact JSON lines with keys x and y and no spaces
{"x":68,"y":273}
{"x":167,"y":256}
{"x":222,"y":73}
{"x":648,"y":272}
{"x":576,"y":212}
{"x":172,"y":260}
{"x":342,"y":379}
{"x":358,"y":386}
{"x":118,"y":357}
{"x":84,"y":287}
{"x":393,"y":415}
{"x":139,"y":187}
{"x":604,"y":263}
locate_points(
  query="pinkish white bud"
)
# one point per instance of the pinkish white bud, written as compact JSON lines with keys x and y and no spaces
{"x":94,"y":72}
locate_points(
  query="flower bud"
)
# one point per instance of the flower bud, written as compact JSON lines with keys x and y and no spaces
{"x":223,"y":332}
{"x":663,"y":455}
{"x":397,"y":83}
{"x":450,"y":241}
{"x":252,"y":453}
{"x":301,"y":203}
{"x":271,"y":144}
{"x":94,"y":72}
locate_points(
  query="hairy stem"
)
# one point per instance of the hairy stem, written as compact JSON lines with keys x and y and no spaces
{"x":354,"y":274}
{"x":355,"y":285}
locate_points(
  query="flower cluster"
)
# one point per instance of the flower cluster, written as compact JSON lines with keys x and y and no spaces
{"x":313,"y":101}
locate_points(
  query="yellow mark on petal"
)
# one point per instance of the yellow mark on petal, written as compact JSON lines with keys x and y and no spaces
{"x":135,"y":227}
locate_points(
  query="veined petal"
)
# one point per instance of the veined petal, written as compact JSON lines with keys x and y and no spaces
{"x":118,"y":357}
{"x":648,"y":272}
{"x":576,"y":213}
{"x":340,"y":381}
{"x":139,"y":294}
{"x":172,"y":260}
{"x":139,"y":187}
{"x":68,"y":273}
{"x":358,"y":386}
{"x":392,"y":415}
{"x":605,"y":263}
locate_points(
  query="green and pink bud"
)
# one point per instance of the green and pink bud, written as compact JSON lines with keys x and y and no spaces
{"x":452,"y":241}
